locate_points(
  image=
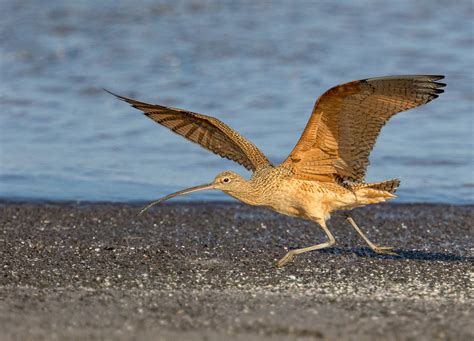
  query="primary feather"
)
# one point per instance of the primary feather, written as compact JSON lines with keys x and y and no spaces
{"x":206,"y":131}
{"x":347,"y":120}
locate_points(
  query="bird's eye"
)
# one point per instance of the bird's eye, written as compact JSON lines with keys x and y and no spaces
{"x":226,"y":180}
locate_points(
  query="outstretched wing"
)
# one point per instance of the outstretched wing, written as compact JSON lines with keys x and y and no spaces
{"x":347,"y":120}
{"x":209,"y":132}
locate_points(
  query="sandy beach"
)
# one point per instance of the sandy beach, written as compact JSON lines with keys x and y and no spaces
{"x":206,"y":271}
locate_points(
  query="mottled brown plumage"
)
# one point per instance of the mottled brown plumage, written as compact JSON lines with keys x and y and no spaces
{"x":206,"y":131}
{"x":325,"y":171}
{"x":347,"y":119}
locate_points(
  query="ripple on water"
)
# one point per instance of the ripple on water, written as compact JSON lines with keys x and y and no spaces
{"x":258,"y":67}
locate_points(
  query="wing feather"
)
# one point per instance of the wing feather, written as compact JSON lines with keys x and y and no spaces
{"x":346,"y":121}
{"x":206,"y":131}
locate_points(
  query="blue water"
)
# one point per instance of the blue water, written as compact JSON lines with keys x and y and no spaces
{"x":258,"y":67}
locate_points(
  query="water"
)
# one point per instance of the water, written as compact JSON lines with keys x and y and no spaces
{"x":258,"y":67}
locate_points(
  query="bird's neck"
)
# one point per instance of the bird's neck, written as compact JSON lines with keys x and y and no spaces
{"x":257,"y":190}
{"x":247,"y":193}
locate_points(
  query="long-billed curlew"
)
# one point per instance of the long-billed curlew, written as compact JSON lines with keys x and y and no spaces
{"x":325,"y":171}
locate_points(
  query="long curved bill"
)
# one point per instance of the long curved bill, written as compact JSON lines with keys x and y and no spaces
{"x":182,"y":192}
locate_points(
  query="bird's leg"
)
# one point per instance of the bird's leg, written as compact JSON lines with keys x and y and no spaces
{"x":386,"y":250}
{"x":292,"y":253}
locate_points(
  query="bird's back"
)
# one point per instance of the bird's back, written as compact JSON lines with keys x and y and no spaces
{"x":278,"y":189}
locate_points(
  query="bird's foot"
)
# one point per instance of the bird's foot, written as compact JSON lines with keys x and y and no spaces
{"x":384,"y":250}
{"x":286,"y":259}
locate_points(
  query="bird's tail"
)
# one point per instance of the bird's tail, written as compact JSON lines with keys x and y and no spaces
{"x":376,"y":192}
{"x":390,"y":186}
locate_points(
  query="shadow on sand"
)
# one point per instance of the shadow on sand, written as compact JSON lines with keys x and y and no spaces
{"x":402,"y":254}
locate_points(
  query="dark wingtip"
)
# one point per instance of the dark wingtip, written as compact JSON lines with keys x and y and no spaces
{"x":113,"y":94}
{"x":434,"y":80}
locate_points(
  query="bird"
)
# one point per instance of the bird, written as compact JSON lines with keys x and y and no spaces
{"x":325,"y":171}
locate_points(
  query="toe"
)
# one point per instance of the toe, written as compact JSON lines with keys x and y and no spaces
{"x":285,"y":259}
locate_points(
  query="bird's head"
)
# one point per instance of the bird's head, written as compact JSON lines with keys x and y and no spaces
{"x":228,"y":182}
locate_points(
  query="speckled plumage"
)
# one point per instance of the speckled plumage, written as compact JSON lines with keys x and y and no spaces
{"x":326,"y":170}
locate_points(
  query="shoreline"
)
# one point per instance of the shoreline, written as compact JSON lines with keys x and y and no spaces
{"x":181,"y":201}
{"x":205,"y":270}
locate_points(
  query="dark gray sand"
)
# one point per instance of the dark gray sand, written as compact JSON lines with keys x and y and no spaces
{"x":206,"y":271}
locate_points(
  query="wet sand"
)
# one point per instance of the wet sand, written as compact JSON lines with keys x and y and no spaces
{"x":206,"y":271}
